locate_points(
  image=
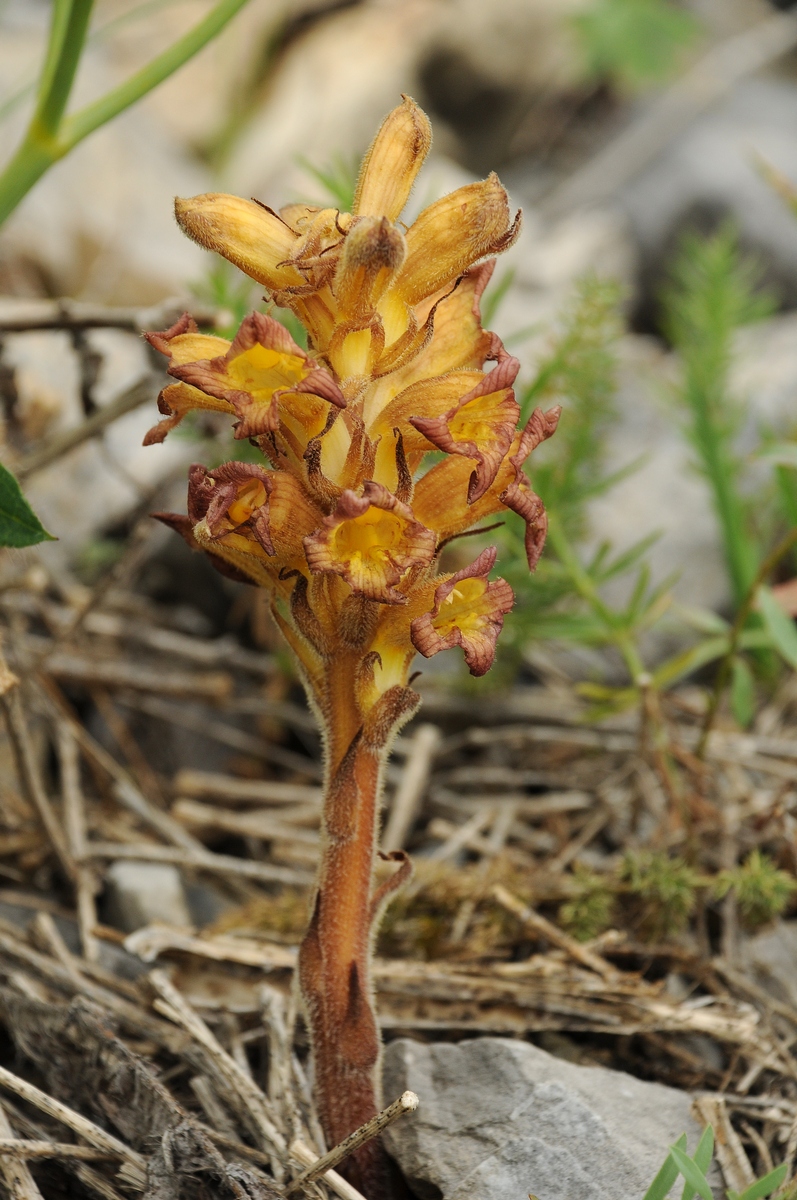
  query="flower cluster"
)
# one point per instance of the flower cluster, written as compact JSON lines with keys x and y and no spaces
{"x":345,"y":514}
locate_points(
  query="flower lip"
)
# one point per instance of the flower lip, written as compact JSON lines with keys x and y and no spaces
{"x":482,"y":431}
{"x":519,"y":495}
{"x":468,"y":611}
{"x":160,"y":340}
{"x":232,"y":497}
{"x":262,"y":363}
{"x":371,"y":541}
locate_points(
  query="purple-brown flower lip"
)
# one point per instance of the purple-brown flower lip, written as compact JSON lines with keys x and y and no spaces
{"x":468,"y":611}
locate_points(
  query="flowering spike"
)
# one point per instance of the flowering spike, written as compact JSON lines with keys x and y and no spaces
{"x":344,"y":521}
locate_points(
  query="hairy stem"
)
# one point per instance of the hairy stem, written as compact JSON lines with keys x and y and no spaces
{"x":334,"y":959}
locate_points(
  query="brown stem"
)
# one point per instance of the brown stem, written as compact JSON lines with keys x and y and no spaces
{"x":334,"y":958}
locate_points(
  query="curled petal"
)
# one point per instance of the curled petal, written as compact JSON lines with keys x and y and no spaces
{"x":452,"y":234}
{"x":175,"y":401}
{"x":257,"y":512}
{"x":481,"y":426}
{"x":234,"y":496}
{"x":247,"y":234}
{"x":371,"y":541}
{"x":393,"y":161}
{"x":519,"y":495}
{"x":262,"y":363}
{"x":468,"y":611}
{"x":183,"y":342}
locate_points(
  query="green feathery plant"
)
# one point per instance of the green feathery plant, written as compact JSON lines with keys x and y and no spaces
{"x":713,"y":294}
{"x":659,"y":894}
{"x":634,"y":43}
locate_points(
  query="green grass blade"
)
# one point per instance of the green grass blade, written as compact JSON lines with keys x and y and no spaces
{"x":492,"y":301}
{"x":779,"y":626}
{"x":667,"y":1175}
{"x":63,"y":58}
{"x":782,"y":454}
{"x":691,"y":1173}
{"x":162,"y":66}
{"x":766,"y":1185}
{"x":19,"y":525}
{"x":743,"y":694}
{"x":701,"y":1158}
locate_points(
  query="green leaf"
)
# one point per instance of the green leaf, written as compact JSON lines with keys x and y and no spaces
{"x":691,"y":1172}
{"x":701,"y":1158}
{"x":743,"y":700}
{"x":766,"y":1185}
{"x":667,"y":1175}
{"x":780,"y":627}
{"x":783,"y":454}
{"x":19,"y":525}
{"x":689,"y":660}
{"x":701,"y":619}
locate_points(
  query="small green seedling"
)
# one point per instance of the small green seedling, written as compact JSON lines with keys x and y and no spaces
{"x":694,"y":1172}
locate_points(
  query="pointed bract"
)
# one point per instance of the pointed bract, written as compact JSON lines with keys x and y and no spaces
{"x":393,"y":161}
{"x":245,"y":233}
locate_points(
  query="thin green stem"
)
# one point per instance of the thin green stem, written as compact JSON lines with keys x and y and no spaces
{"x":24,"y":170}
{"x":67,"y":35}
{"x":740,"y":551}
{"x":116,"y":101}
{"x":745,"y":609}
{"x":49,"y":137}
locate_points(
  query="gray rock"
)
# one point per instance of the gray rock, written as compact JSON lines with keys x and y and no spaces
{"x":498,"y":1119}
{"x":137,"y":893}
{"x":712,"y":171}
{"x":770,"y":957}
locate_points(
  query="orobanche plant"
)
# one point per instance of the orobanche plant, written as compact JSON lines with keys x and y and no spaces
{"x":344,"y":525}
